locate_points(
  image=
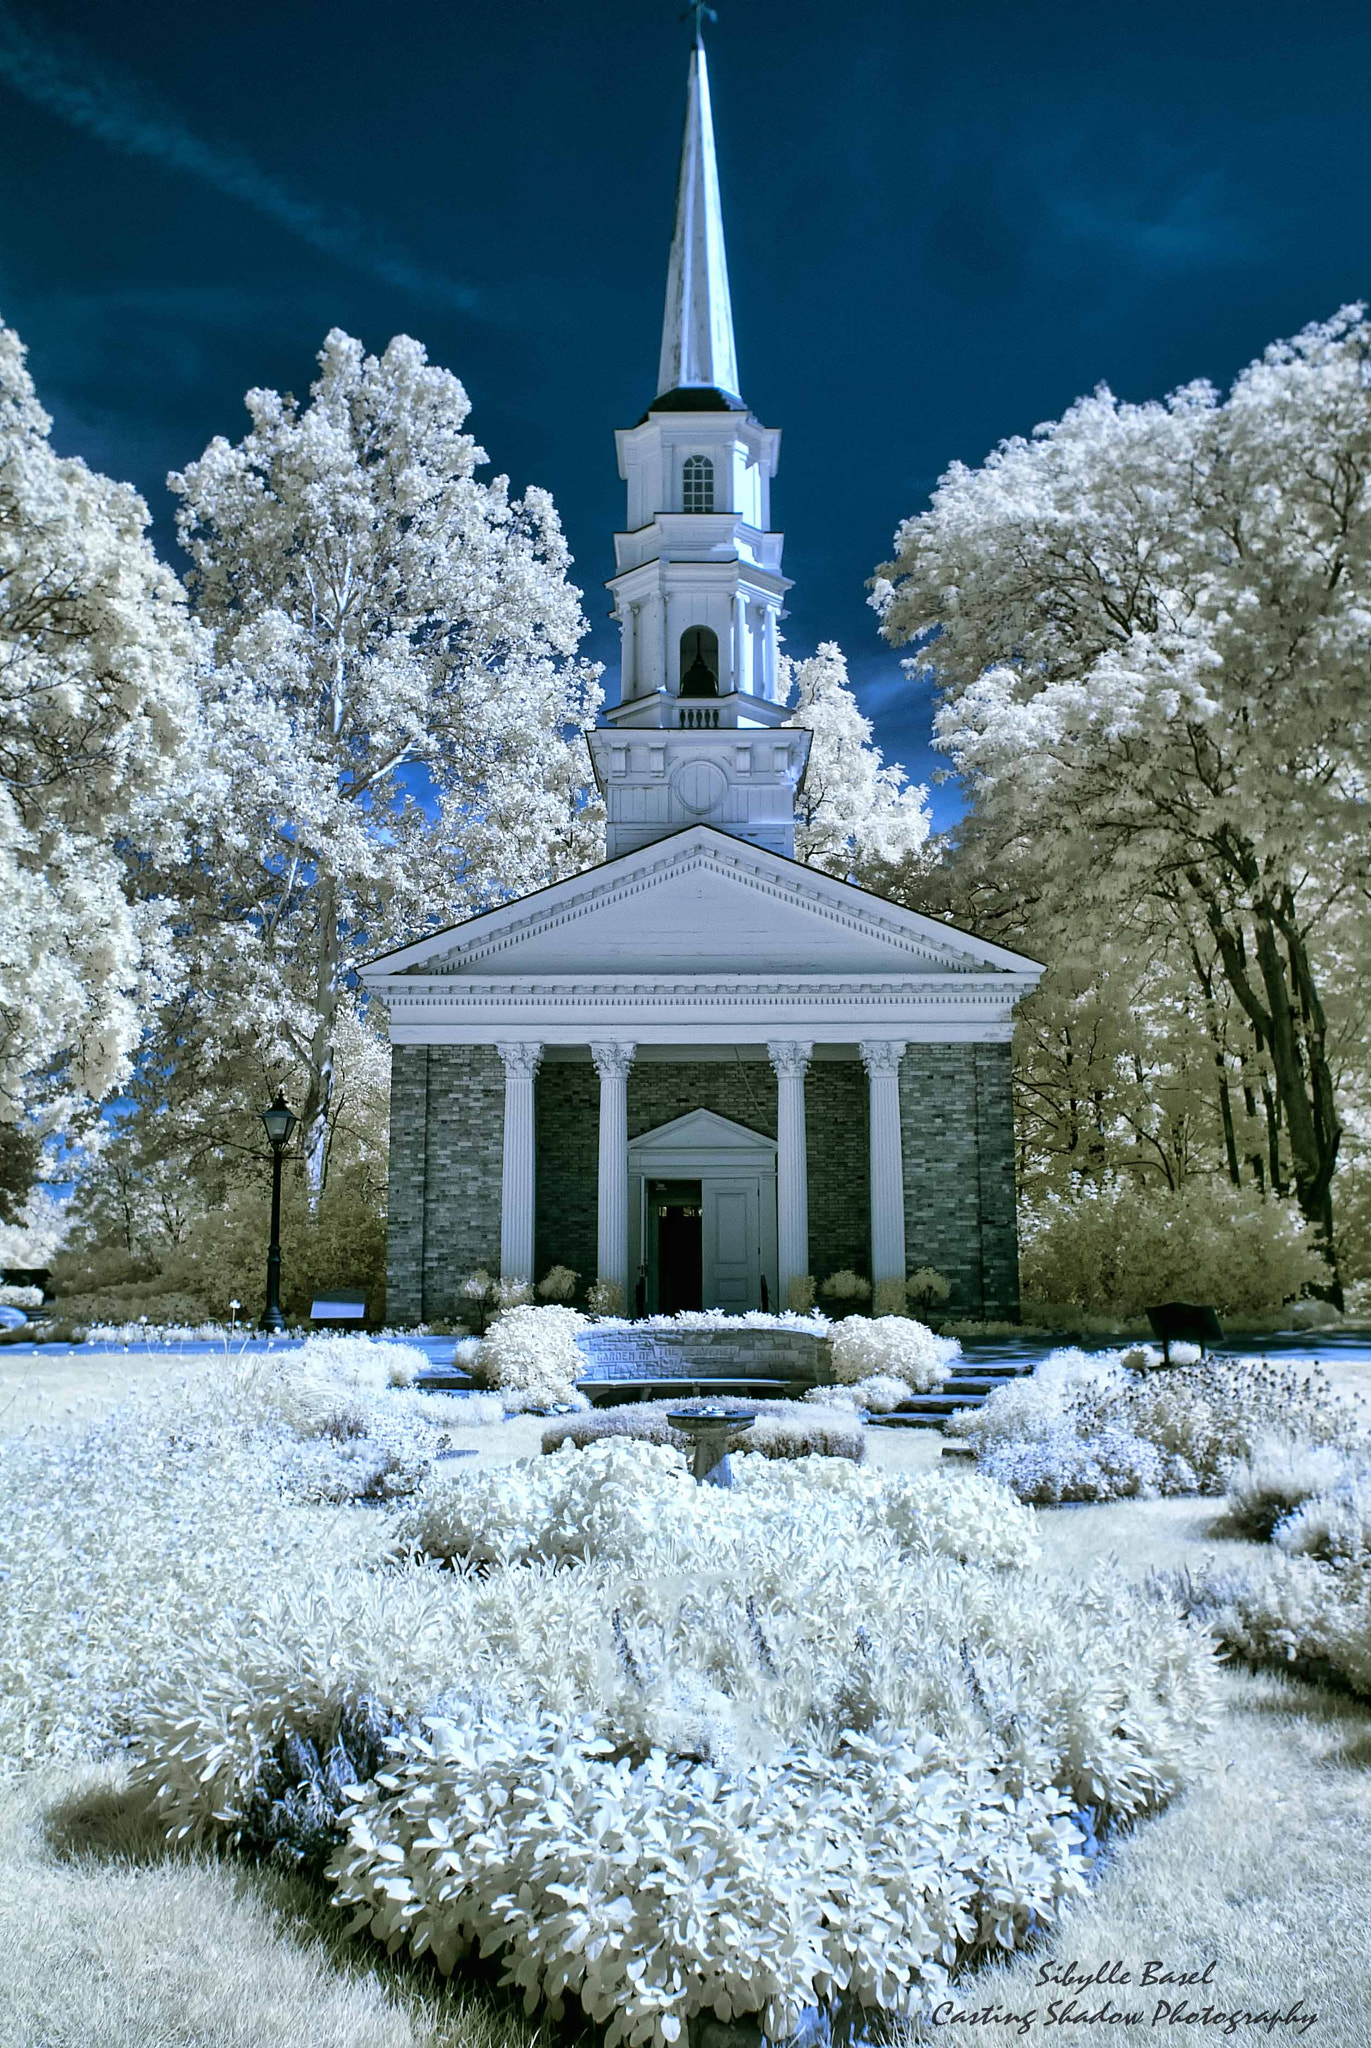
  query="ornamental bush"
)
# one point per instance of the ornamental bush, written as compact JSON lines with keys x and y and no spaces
{"x":623,"y":1501}
{"x":874,"y":1768}
{"x":783,"y":1429}
{"x":1109,"y":1247}
{"x":1083,"y":1427}
{"x":845,"y":1285}
{"x":530,"y":1356}
{"x":879,"y":1394}
{"x":1277,"y":1478}
{"x":1334,"y":1527}
{"x":1311,"y":1618}
{"x":892,"y":1346}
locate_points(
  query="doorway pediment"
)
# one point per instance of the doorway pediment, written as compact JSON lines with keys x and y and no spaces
{"x":700,"y":1142}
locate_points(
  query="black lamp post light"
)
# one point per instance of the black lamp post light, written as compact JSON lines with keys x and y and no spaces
{"x":280,"y":1122}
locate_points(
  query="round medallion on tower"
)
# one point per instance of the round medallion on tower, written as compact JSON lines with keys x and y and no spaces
{"x":700,"y":787}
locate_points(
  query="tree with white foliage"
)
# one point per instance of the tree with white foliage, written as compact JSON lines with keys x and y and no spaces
{"x":1149,"y":624}
{"x":854,"y":815}
{"x":97,"y":708}
{"x":396,"y":712}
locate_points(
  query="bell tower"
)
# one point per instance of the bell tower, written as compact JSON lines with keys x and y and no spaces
{"x":698,"y":590}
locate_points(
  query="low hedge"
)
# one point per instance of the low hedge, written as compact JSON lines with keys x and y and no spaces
{"x":783,"y":1429}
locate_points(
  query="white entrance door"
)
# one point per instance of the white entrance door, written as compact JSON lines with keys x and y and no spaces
{"x":732,"y":1243}
{"x":736,"y":1169}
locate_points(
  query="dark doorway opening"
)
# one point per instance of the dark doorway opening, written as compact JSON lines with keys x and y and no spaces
{"x":675,"y":1245}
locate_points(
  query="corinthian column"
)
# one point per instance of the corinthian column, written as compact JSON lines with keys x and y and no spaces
{"x":516,"y":1183}
{"x":882,"y":1062}
{"x":613,"y":1062}
{"x":790,"y":1058}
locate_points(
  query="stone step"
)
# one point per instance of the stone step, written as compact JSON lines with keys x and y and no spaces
{"x":444,"y":1379}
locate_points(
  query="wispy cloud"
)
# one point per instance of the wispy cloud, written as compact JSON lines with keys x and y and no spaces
{"x":1171,"y":216}
{"x":103,"y":100}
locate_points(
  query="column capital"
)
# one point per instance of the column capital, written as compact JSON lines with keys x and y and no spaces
{"x":789,"y":1056}
{"x":522,"y":1060}
{"x":612,"y":1059}
{"x":882,"y":1055}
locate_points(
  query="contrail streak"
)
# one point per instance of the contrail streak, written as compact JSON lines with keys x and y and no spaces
{"x":110,"y":103}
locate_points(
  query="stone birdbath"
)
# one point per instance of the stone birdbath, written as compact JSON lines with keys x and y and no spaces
{"x":709,"y":1430}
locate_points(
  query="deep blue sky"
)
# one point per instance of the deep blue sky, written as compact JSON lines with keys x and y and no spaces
{"x":944,"y":222}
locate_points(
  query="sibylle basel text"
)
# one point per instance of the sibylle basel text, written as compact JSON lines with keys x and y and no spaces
{"x":1151,"y":1995}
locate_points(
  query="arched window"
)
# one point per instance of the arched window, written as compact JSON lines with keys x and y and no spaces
{"x":699,"y":662}
{"x":698,"y":494}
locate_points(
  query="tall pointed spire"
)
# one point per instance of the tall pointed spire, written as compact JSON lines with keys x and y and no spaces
{"x":697,"y":332}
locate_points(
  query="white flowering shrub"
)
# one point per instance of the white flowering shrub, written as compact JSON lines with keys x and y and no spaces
{"x":1082,"y":1427}
{"x":813,"y":1322}
{"x":461,"y":1411}
{"x":531,"y":1357}
{"x":1110,"y":1464}
{"x":623,"y":1501}
{"x":1210,"y":1414}
{"x":879,"y":1394}
{"x":351,"y":1427}
{"x":113,"y":1542}
{"x":21,"y":1297}
{"x":894,"y":1347}
{"x":875,"y":1768}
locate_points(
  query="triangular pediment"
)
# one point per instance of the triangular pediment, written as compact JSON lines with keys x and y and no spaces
{"x":699,"y":903}
{"x":698,"y":1130}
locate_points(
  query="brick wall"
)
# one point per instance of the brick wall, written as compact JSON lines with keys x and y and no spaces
{"x":405,"y":1199}
{"x":447,"y":1123}
{"x":464,"y":1168}
{"x":839,"y":1168}
{"x":999,"y":1206}
{"x":742,"y":1090}
{"x":957,"y":1136}
{"x":567,"y":1113}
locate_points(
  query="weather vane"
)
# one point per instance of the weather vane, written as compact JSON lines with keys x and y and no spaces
{"x":698,"y":13}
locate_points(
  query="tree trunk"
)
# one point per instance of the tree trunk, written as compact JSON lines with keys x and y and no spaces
{"x":1287,"y":1013}
{"x":1211,"y":1022}
{"x":316,"y":1125}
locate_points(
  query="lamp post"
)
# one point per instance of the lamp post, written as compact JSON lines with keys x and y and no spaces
{"x":280,"y":1122}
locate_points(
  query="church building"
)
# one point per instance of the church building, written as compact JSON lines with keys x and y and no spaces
{"x":700,"y":1071}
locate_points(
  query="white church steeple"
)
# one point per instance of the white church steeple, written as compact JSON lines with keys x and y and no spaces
{"x":699,"y":588}
{"x":697,"y":330}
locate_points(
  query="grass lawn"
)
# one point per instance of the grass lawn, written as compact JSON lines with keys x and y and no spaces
{"x":110,"y":1940}
{"x":76,"y":1387}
